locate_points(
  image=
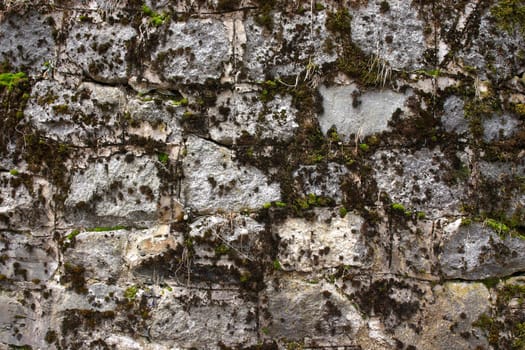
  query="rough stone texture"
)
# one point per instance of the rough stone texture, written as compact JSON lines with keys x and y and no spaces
{"x":476,"y":252}
{"x":118,"y":187}
{"x":369,"y":115}
{"x":169,"y":179}
{"x":27,"y":40}
{"x":396,"y":36}
{"x":97,"y":50}
{"x":247,"y":115}
{"x":307,"y":246}
{"x":194,"y":51}
{"x":218,"y":183}
{"x":415,"y":181}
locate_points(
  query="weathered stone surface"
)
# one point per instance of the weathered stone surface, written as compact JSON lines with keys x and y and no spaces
{"x":214,"y":182}
{"x":98,"y":50}
{"x":193,"y":51}
{"x":396,"y":35}
{"x":304,"y":317}
{"x":169,"y":179}
{"x":322,"y":180}
{"x":27,"y":41}
{"x":453,"y":118}
{"x":19,"y":324}
{"x":245,"y":114}
{"x":218,"y":317}
{"x":476,"y":251}
{"x":369,"y":115}
{"x":100,"y":254}
{"x":288,"y":48}
{"x":130,"y":182}
{"x":414,"y":180}
{"x":85,"y":115}
{"x":455,"y":307}
{"x":325,"y":243}
{"x":499,"y":127}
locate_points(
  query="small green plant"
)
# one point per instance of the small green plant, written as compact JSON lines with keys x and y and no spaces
{"x":364,"y":147}
{"x":72,"y":235}
{"x":342,"y":212}
{"x":11,"y":80}
{"x":277,"y":265}
{"x":156,"y":19}
{"x":339,"y":22}
{"x":131,"y":292}
{"x":509,"y":15}
{"x":319,"y":6}
{"x":163,"y":158}
{"x":265,"y":331}
{"x":221,"y":249}
{"x":13,"y":172}
{"x":280,"y":204}
{"x":466,"y":221}
{"x":497,"y":226}
{"x":267,"y":205}
{"x":182,"y":102}
{"x":421,"y":215}
{"x":245,"y":277}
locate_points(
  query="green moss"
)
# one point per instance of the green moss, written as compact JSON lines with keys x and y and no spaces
{"x":497,"y":226}
{"x":398,"y":207}
{"x":221,"y":249}
{"x":267,"y":205}
{"x":163,"y":158}
{"x":11,"y":80}
{"x":491,"y":282}
{"x":72,"y":234}
{"x":13,"y":172}
{"x":364,"y":147}
{"x":277,"y":265}
{"x":510,"y":15}
{"x":280,"y":204}
{"x":339,"y":22}
{"x":182,"y":102}
{"x":61,"y":109}
{"x":319,"y":6}
{"x":131,"y":292}
{"x":156,"y":19}
{"x":342,"y":212}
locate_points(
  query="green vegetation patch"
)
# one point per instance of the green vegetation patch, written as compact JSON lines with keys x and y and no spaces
{"x":11,"y":80}
{"x":510,"y":15}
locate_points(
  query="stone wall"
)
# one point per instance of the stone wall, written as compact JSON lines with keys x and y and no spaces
{"x":262,"y":174}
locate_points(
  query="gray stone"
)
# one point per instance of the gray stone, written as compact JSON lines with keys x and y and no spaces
{"x":453,"y":118}
{"x":476,"y":252}
{"x":289,"y":48}
{"x":214,"y":182}
{"x":321,"y":180}
{"x":194,"y":50}
{"x":19,"y":325}
{"x":414,"y":180}
{"x":99,"y":253}
{"x":27,"y":258}
{"x":324,"y":243}
{"x":81,"y":115}
{"x":27,"y":41}
{"x":98,"y":50}
{"x":216,"y":316}
{"x":274,"y":120}
{"x":123,"y":189}
{"x":304,"y":317}
{"x":491,"y":52}
{"x":455,"y":307}
{"x":499,"y":127}
{"x":400,"y":25}
{"x":369,"y":117}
